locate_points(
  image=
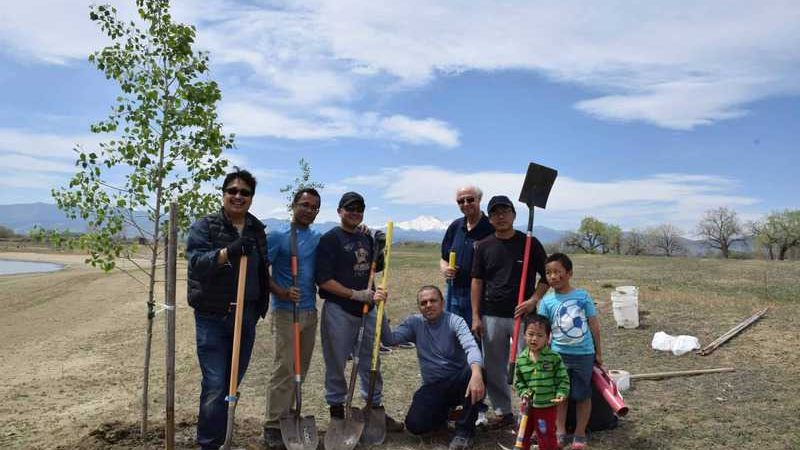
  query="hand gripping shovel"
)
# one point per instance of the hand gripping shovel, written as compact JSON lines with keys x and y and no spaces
{"x":451,"y":262}
{"x":343,"y":434}
{"x":535,"y":191}
{"x":233,"y":395}
{"x":523,"y":423}
{"x":298,"y":432}
{"x":375,"y":427}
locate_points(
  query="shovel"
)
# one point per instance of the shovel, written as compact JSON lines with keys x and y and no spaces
{"x":451,"y":263}
{"x":375,"y":426}
{"x":343,"y":434}
{"x":298,"y":432}
{"x":535,"y":191}
{"x":523,"y":423}
{"x":233,"y":394}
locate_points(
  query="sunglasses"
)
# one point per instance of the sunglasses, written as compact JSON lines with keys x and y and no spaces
{"x":354,"y":209}
{"x":232,"y":191}
{"x":467,"y":200}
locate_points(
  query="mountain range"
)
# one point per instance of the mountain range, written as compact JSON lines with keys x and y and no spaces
{"x":23,"y":217}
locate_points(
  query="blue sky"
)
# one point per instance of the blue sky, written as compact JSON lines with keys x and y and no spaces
{"x":651,"y":112}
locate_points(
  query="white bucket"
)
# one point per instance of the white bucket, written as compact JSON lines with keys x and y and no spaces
{"x":622,"y":379}
{"x":625,"y":304}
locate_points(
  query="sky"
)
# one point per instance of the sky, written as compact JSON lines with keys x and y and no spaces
{"x":652,"y":112}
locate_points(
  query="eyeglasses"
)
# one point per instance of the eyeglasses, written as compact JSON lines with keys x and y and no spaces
{"x":307,"y":206}
{"x":354,"y":209}
{"x":232,"y":191}
{"x":467,"y":200}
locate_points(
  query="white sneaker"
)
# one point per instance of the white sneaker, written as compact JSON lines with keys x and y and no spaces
{"x":482,"y":420}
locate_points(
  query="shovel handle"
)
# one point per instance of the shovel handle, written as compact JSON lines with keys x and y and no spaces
{"x":512,"y":352}
{"x":376,"y":344}
{"x":237,"y":326}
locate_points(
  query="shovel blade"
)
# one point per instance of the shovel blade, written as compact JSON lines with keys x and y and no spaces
{"x":375,"y":426}
{"x":344,"y":434}
{"x":536,"y":188}
{"x":299,"y":433}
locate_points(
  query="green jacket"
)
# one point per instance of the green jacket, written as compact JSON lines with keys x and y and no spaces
{"x":541,"y":380}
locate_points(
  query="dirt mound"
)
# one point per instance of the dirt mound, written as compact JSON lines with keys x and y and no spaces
{"x":118,"y":435}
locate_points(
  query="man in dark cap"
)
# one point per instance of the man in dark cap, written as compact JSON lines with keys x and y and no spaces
{"x":496,"y":274}
{"x":343,"y":263}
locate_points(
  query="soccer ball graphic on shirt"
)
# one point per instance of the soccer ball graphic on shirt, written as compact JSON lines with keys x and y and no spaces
{"x":570,"y":322}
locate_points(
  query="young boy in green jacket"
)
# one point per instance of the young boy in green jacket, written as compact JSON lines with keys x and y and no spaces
{"x":541,"y":381}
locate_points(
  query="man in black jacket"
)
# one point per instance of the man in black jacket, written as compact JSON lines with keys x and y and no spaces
{"x":214,"y":248}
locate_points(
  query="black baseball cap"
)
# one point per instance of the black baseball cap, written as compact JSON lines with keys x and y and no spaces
{"x":351,"y":198}
{"x":500,"y":200}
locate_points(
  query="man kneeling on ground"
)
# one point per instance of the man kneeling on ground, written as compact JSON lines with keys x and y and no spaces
{"x":451,"y":367}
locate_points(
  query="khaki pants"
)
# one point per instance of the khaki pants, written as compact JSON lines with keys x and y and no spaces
{"x":280,"y":392}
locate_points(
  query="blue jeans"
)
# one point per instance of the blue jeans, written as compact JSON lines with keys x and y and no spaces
{"x":459,"y":302}
{"x":214,"y":333}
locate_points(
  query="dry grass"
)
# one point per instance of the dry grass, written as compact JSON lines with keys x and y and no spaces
{"x":71,"y":346}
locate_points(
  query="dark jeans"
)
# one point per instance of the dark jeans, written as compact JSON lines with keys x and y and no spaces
{"x":214,"y":333}
{"x":432,"y":402}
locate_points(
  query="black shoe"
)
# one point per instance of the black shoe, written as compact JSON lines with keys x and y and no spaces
{"x":273,"y":438}
{"x":393,"y":426}
{"x":337,"y":411}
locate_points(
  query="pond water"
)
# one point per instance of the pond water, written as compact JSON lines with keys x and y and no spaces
{"x":9,"y":267}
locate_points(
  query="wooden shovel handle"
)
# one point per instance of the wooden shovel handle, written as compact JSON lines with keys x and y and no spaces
{"x":237,"y":326}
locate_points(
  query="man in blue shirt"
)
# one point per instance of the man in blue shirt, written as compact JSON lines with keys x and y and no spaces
{"x":280,"y":393}
{"x":460,"y":238}
{"x":450,"y":364}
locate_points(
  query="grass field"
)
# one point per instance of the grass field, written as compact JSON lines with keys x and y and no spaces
{"x":71,"y":357}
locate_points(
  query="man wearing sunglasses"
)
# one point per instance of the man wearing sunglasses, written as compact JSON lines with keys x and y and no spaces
{"x":460,"y":238}
{"x":344,"y":256}
{"x":280,"y":393}
{"x":214,"y":249}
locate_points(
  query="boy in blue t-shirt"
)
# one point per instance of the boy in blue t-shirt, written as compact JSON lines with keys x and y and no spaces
{"x":576,"y":337}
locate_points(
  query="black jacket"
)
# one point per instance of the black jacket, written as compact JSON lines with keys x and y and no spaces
{"x":212,"y":287}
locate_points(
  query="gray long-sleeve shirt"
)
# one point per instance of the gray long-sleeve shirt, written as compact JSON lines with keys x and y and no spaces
{"x":444,"y":347}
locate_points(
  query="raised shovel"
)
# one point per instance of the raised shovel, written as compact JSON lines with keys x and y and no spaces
{"x":233,"y":394}
{"x":535,"y":190}
{"x":298,"y":432}
{"x":344,"y":434}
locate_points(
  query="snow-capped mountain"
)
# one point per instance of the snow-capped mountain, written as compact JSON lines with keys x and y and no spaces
{"x":423,"y":223}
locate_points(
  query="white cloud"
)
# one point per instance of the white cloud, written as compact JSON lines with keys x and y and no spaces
{"x":676,"y":198}
{"x":676,"y":65}
{"x":44,"y":145}
{"x":248,"y":119}
{"x":420,"y":131}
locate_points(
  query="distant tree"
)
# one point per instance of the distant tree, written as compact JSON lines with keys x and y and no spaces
{"x":721,"y":228}
{"x":589,"y":236}
{"x":6,"y":232}
{"x":165,"y":145}
{"x":665,"y":238}
{"x":301,"y":182}
{"x":780,"y":231}
{"x":612,"y":239}
{"x":635,"y":242}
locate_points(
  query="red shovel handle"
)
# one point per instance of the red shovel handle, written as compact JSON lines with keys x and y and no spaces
{"x":512,"y":353}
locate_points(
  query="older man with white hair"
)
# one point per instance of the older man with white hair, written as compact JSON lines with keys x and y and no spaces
{"x":460,"y":238}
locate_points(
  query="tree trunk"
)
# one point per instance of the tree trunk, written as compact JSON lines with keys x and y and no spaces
{"x":782,"y":253}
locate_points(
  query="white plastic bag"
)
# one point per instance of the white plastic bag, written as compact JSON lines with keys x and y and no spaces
{"x":678,"y":345}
